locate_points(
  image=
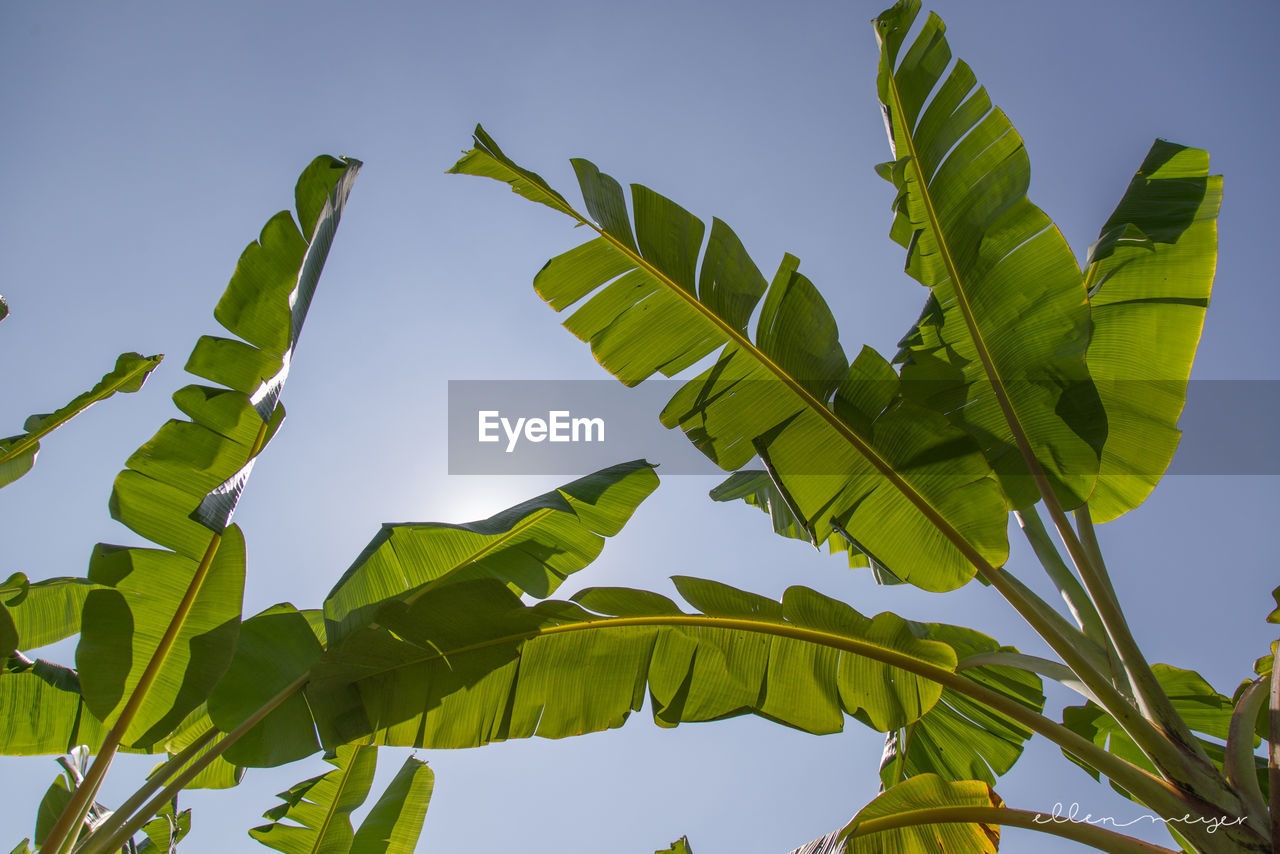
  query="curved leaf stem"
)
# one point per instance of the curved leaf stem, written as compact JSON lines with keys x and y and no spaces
{"x":117,"y":839}
{"x":1155,"y":792}
{"x":1238,"y":763}
{"x":1078,"y":831}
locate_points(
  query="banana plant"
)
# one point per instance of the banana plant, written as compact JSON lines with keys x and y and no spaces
{"x":1029,"y":384}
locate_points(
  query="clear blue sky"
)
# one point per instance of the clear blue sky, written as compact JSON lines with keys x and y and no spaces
{"x":146,"y":143}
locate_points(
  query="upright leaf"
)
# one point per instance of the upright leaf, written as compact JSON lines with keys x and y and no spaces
{"x":1000,"y":347}
{"x":319,"y":809}
{"x":161,"y":632}
{"x":914,"y":492}
{"x":1149,"y":277}
{"x":395,"y":822}
{"x":18,"y":453}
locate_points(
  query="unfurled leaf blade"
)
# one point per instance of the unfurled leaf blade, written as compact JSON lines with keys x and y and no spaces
{"x":395,"y":822}
{"x":646,"y":308}
{"x":1150,"y":277}
{"x":1000,"y":347}
{"x":43,"y":710}
{"x":318,"y":810}
{"x":467,"y":664}
{"x":45,"y":611}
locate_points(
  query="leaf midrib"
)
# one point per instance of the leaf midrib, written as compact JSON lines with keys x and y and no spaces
{"x":962,"y":299}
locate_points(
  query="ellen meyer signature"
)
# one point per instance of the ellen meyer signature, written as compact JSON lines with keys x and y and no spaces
{"x":1061,"y":815}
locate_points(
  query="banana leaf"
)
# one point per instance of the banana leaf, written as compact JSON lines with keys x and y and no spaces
{"x":848,"y":450}
{"x":1000,"y":346}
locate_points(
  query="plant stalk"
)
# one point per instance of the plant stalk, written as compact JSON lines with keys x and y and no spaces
{"x":157,"y":780}
{"x":84,"y":795}
{"x":1151,"y":698}
{"x":135,"y":823}
{"x":88,"y":790}
{"x":1063,"y":578}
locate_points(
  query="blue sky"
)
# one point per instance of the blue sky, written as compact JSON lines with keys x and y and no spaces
{"x":146,"y":143}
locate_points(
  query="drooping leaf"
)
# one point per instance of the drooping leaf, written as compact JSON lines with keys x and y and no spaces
{"x":914,"y":492}
{"x":531,"y":546}
{"x":45,"y":611}
{"x":43,"y":710}
{"x":960,"y":739}
{"x":1000,"y":347}
{"x":18,"y":453}
{"x":319,"y":809}
{"x":1150,"y":275}
{"x":467,"y":664}
{"x":395,"y":822}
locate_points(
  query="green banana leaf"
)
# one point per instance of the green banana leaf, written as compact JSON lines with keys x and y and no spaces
{"x":319,"y":809}
{"x":468,"y":664}
{"x":43,"y":710}
{"x":918,"y":795}
{"x":959,"y":739}
{"x":276,"y":647}
{"x":219,"y":774}
{"x":18,"y":453}
{"x":43,"y":612}
{"x":174,"y":614}
{"x":58,"y":795}
{"x":1000,"y":347}
{"x":758,"y":489}
{"x":532,"y":546}
{"x":166,"y":830}
{"x":850,"y":453}
{"x":528,"y":548}
{"x":1150,"y":275}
